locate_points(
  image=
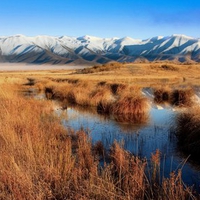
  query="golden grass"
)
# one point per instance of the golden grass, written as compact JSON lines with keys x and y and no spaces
{"x":100,"y":68}
{"x":175,"y":97}
{"x":41,"y":160}
{"x":130,"y":105}
{"x":124,"y":101}
{"x":166,"y":67}
{"x":117,"y":88}
{"x":101,"y":94}
{"x":141,"y":74}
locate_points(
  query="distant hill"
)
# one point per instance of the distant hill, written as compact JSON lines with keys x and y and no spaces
{"x":92,"y":50}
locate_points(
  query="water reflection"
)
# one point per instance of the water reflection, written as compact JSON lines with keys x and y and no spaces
{"x":141,"y":135}
{"x":141,"y":139}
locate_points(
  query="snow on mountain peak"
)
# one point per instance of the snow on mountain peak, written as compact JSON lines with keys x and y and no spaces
{"x":182,"y":36}
{"x":65,"y":49}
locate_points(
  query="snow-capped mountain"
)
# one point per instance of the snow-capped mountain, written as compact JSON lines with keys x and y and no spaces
{"x":90,"y":49}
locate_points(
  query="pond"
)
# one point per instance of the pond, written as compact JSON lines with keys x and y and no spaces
{"x":140,"y":139}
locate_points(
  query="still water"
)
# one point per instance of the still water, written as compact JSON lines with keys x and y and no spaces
{"x":140,"y":139}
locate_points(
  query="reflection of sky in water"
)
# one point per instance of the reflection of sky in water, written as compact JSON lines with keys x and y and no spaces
{"x":140,"y":140}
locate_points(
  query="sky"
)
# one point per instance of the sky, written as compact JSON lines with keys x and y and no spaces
{"x":102,"y":18}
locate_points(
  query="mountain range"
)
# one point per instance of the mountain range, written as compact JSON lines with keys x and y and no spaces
{"x":92,"y":50}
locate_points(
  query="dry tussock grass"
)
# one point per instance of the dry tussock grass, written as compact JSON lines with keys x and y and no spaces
{"x":176,"y":97}
{"x":101,"y":94}
{"x":165,"y":67}
{"x":188,"y":131}
{"x":130,"y":105}
{"x":100,"y":68}
{"x":104,"y":108}
{"x":162,"y":95}
{"x":41,"y":160}
{"x":117,"y":88}
{"x":182,"y":97}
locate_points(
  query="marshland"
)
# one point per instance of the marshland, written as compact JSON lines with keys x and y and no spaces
{"x":113,"y":131}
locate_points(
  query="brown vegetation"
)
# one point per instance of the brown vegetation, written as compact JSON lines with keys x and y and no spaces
{"x":188,"y":131}
{"x":130,"y":104}
{"x":101,"y":95}
{"x":169,"y":67}
{"x":166,"y":67}
{"x":176,"y":97}
{"x":182,"y":97}
{"x":41,"y":160}
{"x":100,"y":68}
{"x":123,"y":101}
{"x":117,"y":88}
{"x":161,"y":95}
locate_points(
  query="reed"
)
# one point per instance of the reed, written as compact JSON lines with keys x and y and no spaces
{"x":42,"y":160}
{"x":188,"y":131}
{"x":128,"y":171}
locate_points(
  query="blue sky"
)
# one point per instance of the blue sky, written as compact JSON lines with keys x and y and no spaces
{"x":102,"y":18}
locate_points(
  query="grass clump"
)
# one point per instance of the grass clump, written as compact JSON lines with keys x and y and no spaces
{"x":49,"y":93}
{"x":101,"y":94}
{"x":100,"y":68}
{"x":161,"y":95}
{"x":117,"y":88}
{"x":130,"y":107}
{"x":42,"y":160}
{"x":176,"y":97}
{"x":182,"y":97}
{"x":164,"y":67}
{"x":188,"y":131}
{"x":169,"y":67}
{"x":104,"y":107}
